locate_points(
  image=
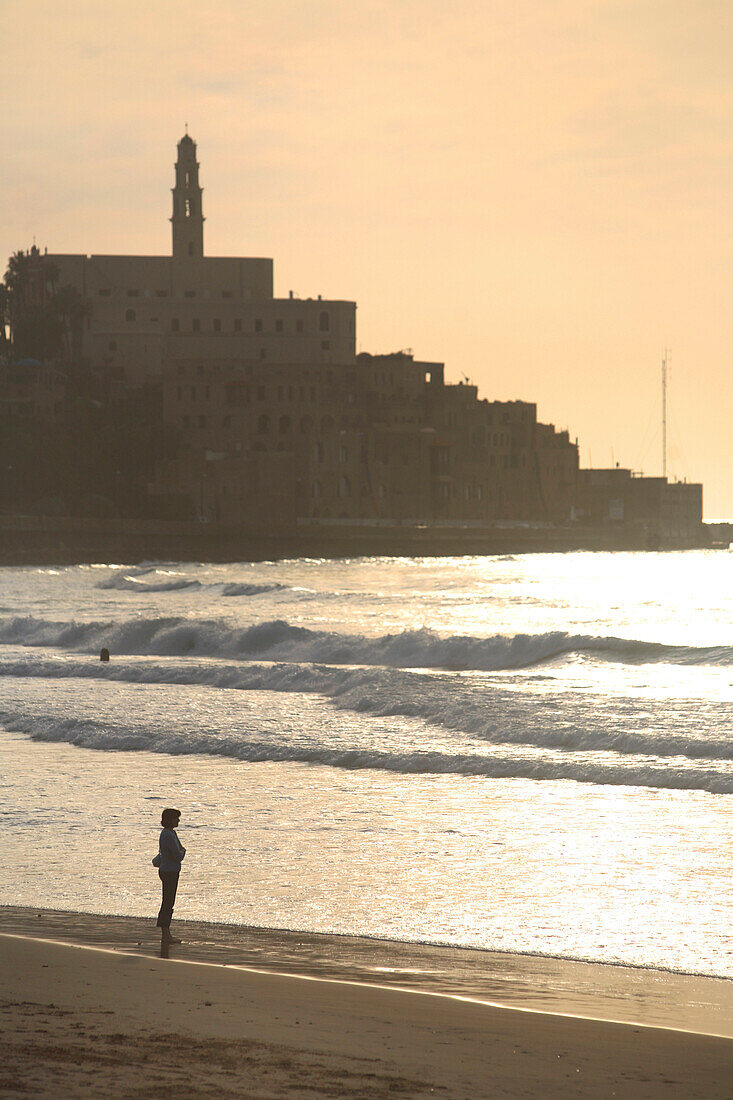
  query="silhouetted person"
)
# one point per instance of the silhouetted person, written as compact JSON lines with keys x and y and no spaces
{"x":168,"y":861}
{"x":104,"y":655}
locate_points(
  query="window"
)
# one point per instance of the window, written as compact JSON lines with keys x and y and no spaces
{"x":285,"y":424}
{"x":193,"y":393}
{"x":196,"y":325}
{"x":131,"y":315}
{"x":105,"y":293}
{"x":263,"y":353}
{"x":344,"y":487}
{"x":180,"y":393}
{"x":202,"y":422}
{"x":217,"y":325}
{"x":113,"y":345}
{"x":227,"y":294}
{"x":258,"y":324}
{"x":343,"y":453}
{"x":324,"y":322}
{"x":133,"y":294}
{"x":190,"y":248}
{"x":316,"y":490}
{"x":325,"y":345}
{"x":175,"y":325}
{"x":161,"y":294}
{"x":237,"y":324}
{"x":263,"y":424}
{"x":260,"y":393}
{"x":299,"y":326}
{"x":207,"y":392}
{"x":187,"y":210}
{"x":226,"y":421}
{"x":278,"y":326}
{"x":189,"y":294}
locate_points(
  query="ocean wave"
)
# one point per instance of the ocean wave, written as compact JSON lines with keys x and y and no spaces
{"x":136,"y":580}
{"x":107,"y":736}
{"x":558,"y":721}
{"x":278,"y":640}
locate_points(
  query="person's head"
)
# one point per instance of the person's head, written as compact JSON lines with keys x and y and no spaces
{"x":169,"y":818}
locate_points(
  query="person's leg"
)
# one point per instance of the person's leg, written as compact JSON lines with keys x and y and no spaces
{"x":169,"y":880}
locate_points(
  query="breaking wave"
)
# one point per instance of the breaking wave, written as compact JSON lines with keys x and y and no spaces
{"x":135,"y":580}
{"x":496,"y":762}
{"x":684,"y":729}
{"x":278,"y":640}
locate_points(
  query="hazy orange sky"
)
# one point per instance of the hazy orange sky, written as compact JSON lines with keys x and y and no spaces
{"x":537,"y":192}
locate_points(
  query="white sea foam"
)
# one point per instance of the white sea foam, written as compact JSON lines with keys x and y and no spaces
{"x":489,"y":712}
{"x":496,"y":762}
{"x":137,"y":580}
{"x":283,"y":641}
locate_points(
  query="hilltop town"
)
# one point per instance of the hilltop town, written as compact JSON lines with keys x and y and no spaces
{"x":174,"y":402}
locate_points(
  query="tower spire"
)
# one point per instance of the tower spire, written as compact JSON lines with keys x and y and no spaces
{"x":188,"y":219}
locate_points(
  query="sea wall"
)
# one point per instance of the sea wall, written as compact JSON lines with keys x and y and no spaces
{"x":38,"y":540}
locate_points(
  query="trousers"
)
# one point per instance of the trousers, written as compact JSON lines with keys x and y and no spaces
{"x":170,"y":886}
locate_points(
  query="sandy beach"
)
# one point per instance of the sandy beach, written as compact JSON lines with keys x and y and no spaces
{"x":89,"y":1009}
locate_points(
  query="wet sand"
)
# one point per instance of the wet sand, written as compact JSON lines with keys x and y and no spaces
{"x":88,"y":1008}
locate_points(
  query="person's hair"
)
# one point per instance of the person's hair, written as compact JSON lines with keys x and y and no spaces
{"x":170,"y":818}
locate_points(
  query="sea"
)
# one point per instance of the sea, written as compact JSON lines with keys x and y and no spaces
{"x":529,"y":754}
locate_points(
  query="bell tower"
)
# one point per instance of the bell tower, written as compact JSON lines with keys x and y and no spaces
{"x":188,"y":219}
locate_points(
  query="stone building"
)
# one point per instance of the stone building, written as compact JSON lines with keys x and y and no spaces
{"x":142,"y":309}
{"x":281,"y":422}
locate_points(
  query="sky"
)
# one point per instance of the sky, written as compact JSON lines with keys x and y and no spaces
{"x":536,"y":192}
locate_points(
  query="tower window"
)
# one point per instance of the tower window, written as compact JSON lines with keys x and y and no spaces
{"x":190,"y":248}
{"x":188,"y":179}
{"x":188,"y":208}
{"x":324,"y":322}
{"x":278,"y":326}
{"x":299,"y":325}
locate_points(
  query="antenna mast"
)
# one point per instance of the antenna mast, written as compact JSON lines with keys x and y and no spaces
{"x":664,"y":413}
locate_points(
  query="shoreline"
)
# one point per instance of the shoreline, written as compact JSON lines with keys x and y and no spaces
{"x":600,"y":991}
{"x":66,"y":540}
{"x":90,"y":1020}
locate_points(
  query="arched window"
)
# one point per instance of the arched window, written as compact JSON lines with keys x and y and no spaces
{"x":316,"y":490}
{"x":344,"y":487}
{"x":263,"y":424}
{"x":324,"y":322}
{"x":131,"y":315}
{"x":285,"y":424}
{"x":318,"y":451}
{"x":306,"y":423}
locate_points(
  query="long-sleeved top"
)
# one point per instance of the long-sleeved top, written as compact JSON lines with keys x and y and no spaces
{"x":171,"y":851}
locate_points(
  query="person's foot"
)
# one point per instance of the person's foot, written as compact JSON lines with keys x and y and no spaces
{"x":167,"y":938}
